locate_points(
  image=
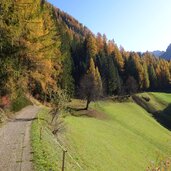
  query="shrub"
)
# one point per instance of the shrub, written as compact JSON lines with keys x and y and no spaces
{"x":19,"y":103}
{"x":147,"y":99}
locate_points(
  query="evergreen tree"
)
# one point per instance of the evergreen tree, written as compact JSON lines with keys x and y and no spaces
{"x":99,"y":42}
{"x":91,"y":47}
{"x":131,"y":85}
{"x":163,"y":74}
{"x":139,"y":70}
{"x":67,"y":81}
{"x":152,"y":77}
{"x":92,"y":69}
{"x":146,"y":77}
{"x":98,"y":81}
{"x":118,"y":58}
{"x":91,"y":86}
{"x":113,"y":78}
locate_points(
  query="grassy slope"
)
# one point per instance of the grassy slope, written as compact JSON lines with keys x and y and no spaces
{"x":158,"y":101}
{"x":128,"y":140}
{"x":47,"y":152}
{"x":159,"y":105}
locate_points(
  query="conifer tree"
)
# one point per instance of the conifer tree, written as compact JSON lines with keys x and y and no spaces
{"x":152,"y":77}
{"x":163,"y":74}
{"x":118,"y":58}
{"x":91,"y":85}
{"x":67,"y":81}
{"x":92,"y":69}
{"x":139,"y":70}
{"x":91,"y":47}
{"x":43,"y":45}
{"x":99,"y":42}
{"x":146,"y":77}
{"x":98,"y":81}
{"x":113,"y":78}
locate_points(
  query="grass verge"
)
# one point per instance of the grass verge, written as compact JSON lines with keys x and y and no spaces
{"x":47,"y":152}
{"x":43,"y":145}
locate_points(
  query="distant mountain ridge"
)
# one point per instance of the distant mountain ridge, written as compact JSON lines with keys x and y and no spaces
{"x":163,"y":54}
{"x":167,"y":54}
{"x":158,"y":53}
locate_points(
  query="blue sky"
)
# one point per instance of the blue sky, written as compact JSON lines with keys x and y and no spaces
{"x":137,"y":25}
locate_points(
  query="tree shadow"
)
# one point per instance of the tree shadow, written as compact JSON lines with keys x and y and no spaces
{"x":28,"y":119}
{"x":76,"y":109}
{"x":164,"y":117}
{"x":24,"y":119}
{"x":161,"y":116}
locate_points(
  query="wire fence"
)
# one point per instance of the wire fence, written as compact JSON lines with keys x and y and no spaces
{"x":66,"y":161}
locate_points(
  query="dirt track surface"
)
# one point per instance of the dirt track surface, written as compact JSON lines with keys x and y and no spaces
{"x":15,"y":148}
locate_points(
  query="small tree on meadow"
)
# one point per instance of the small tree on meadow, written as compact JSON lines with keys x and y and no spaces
{"x":91,"y":84}
{"x":59,"y":102}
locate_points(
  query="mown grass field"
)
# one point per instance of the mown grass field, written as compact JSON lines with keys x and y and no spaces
{"x":125,"y":138}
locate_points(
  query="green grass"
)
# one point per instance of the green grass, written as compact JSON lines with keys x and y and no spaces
{"x":47,"y":152}
{"x":164,"y":98}
{"x":158,"y":101}
{"x":44,"y":153}
{"x":159,"y":105}
{"x":130,"y":139}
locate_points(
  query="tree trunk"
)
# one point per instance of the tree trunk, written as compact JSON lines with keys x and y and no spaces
{"x":87,"y":105}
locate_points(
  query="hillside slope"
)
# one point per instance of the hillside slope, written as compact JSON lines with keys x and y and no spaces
{"x":117,"y":136}
{"x":158,"y":104}
{"x":128,"y":140}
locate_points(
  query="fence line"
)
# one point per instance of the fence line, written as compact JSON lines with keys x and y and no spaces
{"x":66,"y":151}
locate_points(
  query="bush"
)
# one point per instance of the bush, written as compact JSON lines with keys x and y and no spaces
{"x":2,"y":116}
{"x":19,"y":103}
{"x":147,"y":99}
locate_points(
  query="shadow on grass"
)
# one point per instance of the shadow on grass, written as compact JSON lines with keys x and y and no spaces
{"x":77,"y":112}
{"x":75,"y":109}
{"x":163,"y":117}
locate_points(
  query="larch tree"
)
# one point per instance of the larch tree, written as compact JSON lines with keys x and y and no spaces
{"x":139,"y":70}
{"x":66,"y":81}
{"x":146,"y":77}
{"x":91,"y":47}
{"x":152,"y":77}
{"x":91,"y":85}
{"x":43,"y":56}
{"x":98,"y":81}
{"x":118,"y":59}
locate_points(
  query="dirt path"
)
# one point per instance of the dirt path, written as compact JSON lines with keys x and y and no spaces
{"x":15,"y":149}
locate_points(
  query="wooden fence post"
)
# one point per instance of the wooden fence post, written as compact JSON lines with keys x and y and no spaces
{"x":63,"y":160}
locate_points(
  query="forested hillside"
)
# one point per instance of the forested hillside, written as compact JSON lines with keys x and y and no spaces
{"x":43,"y":49}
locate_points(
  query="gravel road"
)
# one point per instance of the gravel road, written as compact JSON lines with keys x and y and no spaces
{"x":15,"y":149}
